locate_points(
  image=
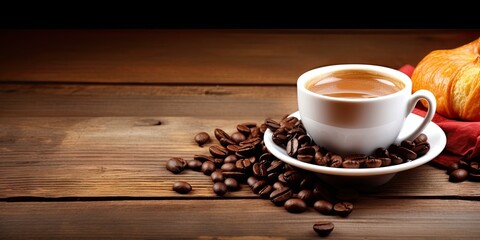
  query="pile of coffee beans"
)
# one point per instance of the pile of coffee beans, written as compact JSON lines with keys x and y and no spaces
{"x":290,"y":134}
{"x":241,"y":158}
{"x":464,"y":170}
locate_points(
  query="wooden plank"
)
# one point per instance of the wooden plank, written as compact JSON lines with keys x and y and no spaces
{"x":234,"y":56}
{"x":235,"y":219}
{"x":126,"y":156}
{"x":104,"y":140}
{"x":226,"y":102}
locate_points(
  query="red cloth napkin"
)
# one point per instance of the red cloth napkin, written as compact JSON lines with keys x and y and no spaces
{"x":463,"y":138}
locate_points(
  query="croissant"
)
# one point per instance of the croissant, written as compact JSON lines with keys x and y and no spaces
{"x":453,"y":76}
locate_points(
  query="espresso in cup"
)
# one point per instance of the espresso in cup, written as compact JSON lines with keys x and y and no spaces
{"x":355,"y":84}
{"x":357,"y":108}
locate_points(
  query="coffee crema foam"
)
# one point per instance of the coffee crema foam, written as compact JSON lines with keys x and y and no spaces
{"x":355,"y":84}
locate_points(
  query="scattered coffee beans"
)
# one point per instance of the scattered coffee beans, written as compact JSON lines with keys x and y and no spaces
{"x":220,"y":188}
{"x":464,"y":170}
{"x":242,"y":158}
{"x":232,"y":184}
{"x":208,"y":167}
{"x":295,"y":205}
{"x":458,"y":175}
{"x":195,"y":165}
{"x":181,"y":187}
{"x":202,"y":138}
{"x":176,"y":165}
{"x":323,"y":229}
{"x":323,"y":207}
{"x":343,"y":209}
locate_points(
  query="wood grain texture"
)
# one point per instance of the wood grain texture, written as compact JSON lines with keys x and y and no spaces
{"x":243,"y":56}
{"x":82,"y":140}
{"x":121,"y":156}
{"x":235,"y":219}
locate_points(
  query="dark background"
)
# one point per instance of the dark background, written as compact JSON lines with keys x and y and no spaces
{"x":230,"y":14}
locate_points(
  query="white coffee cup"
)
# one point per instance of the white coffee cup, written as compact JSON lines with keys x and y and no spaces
{"x":360,"y":125}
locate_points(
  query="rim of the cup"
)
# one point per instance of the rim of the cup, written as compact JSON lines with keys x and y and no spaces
{"x":394,"y":73}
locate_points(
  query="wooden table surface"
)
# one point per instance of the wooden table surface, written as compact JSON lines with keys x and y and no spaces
{"x":88,"y":119}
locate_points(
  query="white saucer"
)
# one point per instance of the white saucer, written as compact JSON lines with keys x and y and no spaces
{"x":366,"y":176}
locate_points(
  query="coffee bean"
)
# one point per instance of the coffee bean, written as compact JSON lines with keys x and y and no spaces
{"x":304,"y":139}
{"x":395,"y":159}
{"x":278,"y":185}
{"x":292,"y":147}
{"x":373,"y":163}
{"x":420,"y":139}
{"x":280,"y":196}
{"x":218,"y":162}
{"x":246,"y":151}
{"x":243,"y":165}
{"x":203,"y":158}
{"x":195,"y":165}
{"x":181,"y":187}
{"x":225,"y":142}
{"x":263,"y":128}
{"x":281,"y":178}
{"x":335,"y":161}
{"x":406,"y":153}
{"x":421,"y":149}
{"x":288,"y":122}
{"x":351,"y":164}
{"x":324,"y":207}
{"x":259,"y":170}
{"x":232,"y":184}
{"x":175,"y":165}
{"x":320,"y":159}
{"x":237,"y":137}
{"x":217,"y":176}
{"x":255,"y":142}
{"x":323,"y":229}
{"x":202,"y":138}
{"x":243,"y":130}
{"x":458,"y":175}
{"x":407,"y":144}
{"x":258,"y":185}
{"x":280,"y":139}
{"x":293,"y":177}
{"x":232,"y":158}
{"x":208,"y":168}
{"x":295,"y":205}
{"x":272,"y":124}
{"x":275,"y":166}
{"x":265,"y":191}
{"x":343,"y":209}
{"x":307,"y":196}
{"x":218,"y":151}
{"x":220,"y":188}
{"x":228,"y":167}
{"x":219,"y":134}
{"x":381,"y":153}
{"x":251,"y":181}
{"x":385,"y":161}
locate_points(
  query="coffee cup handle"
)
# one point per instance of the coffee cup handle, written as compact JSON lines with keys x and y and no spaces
{"x":432,"y":106}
